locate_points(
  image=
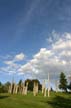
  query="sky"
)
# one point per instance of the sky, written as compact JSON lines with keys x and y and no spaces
{"x":35,"y":39}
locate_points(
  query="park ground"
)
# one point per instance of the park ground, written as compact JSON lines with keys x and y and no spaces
{"x":56,"y":100}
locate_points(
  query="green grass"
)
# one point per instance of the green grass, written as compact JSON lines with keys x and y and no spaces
{"x":56,"y":100}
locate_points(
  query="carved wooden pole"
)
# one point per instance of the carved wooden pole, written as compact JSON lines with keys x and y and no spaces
{"x":44,"y":88}
{"x":26,"y":88}
{"x":48,"y":86}
{"x":9,"y":91}
{"x":12,"y":86}
{"x":45,"y":92}
{"x":35,"y":88}
{"x":56,"y":84}
{"x":16,"y":89}
{"x":23,"y":88}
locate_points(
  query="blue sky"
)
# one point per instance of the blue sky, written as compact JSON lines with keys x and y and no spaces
{"x":30,"y":27}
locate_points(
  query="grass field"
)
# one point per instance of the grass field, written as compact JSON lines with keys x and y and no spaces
{"x":56,"y":100}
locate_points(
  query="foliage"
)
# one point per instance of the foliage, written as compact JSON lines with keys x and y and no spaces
{"x":20,"y":83}
{"x":31,"y":84}
{"x":4,"y":87}
{"x":20,"y":86}
{"x":69,"y":86}
{"x":63,"y":82}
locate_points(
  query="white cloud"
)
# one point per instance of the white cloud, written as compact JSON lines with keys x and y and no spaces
{"x":26,"y":68}
{"x":10,"y":69}
{"x":43,"y":53}
{"x":62,"y":44}
{"x":8,"y":62}
{"x":19,"y":57}
{"x":49,"y":40}
{"x":11,"y":66}
{"x":55,"y":60}
{"x":67,"y":36}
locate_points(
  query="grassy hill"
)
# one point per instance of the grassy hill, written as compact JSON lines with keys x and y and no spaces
{"x":56,"y":100}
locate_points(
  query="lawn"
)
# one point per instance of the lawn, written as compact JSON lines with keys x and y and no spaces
{"x":56,"y":100}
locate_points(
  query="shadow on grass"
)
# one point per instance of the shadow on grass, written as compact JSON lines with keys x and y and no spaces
{"x":60,"y":102}
{"x":3,"y":97}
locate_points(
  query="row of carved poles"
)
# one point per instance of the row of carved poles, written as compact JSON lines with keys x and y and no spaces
{"x":14,"y":89}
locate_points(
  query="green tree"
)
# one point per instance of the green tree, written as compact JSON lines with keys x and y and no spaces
{"x":20,"y":83}
{"x":69,"y":86}
{"x":1,"y":86}
{"x":63,"y":82}
{"x":31,"y":84}
{"x":6,"y":86}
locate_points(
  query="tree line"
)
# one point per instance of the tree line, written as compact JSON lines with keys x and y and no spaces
{"x":5,"y":87}
{"x":63,"y":84}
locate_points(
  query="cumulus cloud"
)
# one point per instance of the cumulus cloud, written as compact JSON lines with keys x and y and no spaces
{"x":11,"y":66}
{"x":16,"y":58}
{"x":8,"y":62}
{"x":19,"y":57}
{"x":55,"y":60}
{"x":26,"y":68}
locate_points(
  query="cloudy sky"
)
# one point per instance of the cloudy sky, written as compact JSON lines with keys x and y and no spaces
{"x":35,"y":39}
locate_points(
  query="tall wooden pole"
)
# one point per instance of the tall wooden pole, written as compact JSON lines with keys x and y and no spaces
{"x":56,"y":84}
{"x":48,"y":86}
{"x":43,"y":86}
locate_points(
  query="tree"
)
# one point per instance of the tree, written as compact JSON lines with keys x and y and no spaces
{"x":69,"y":86}
{"x":20,"y":86}
{"x":1,"y":86}
{"x":27,"y":81}
{"x":63,"y":82}
{"x":31,"y":84}
{"x":6,"y":86}
{"x":51,"y":89}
